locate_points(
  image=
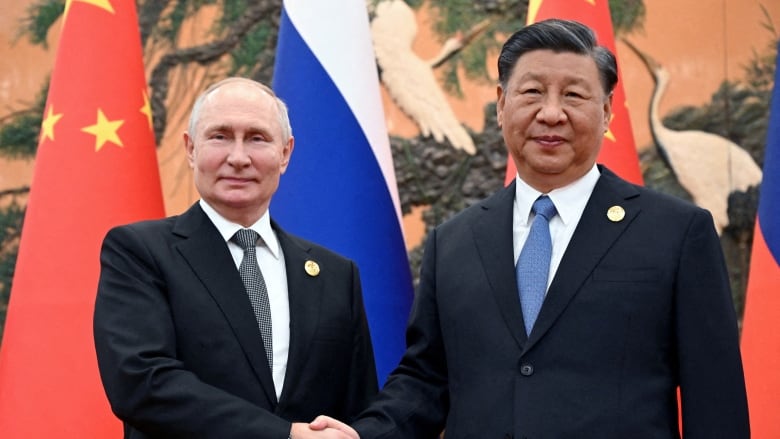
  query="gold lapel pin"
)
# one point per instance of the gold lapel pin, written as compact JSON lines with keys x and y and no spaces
{"x":312,"y":268}
{"x":616,"y":214}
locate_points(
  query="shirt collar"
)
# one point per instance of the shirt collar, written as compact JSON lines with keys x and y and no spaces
{"x":227,"y":228}
{"x":569,"y":200}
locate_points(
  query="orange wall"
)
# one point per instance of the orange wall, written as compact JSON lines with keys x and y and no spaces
{"x":701,"y":43}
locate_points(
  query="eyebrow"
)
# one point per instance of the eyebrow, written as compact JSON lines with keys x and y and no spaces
{"x":538,"y":77}
{"x":228,"y":127}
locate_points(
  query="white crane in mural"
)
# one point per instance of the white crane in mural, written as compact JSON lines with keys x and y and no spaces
{"x":707,"y":165}
{"x":409,"y":80}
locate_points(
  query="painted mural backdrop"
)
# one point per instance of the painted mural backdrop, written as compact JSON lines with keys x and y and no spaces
{"x":446,"y":149}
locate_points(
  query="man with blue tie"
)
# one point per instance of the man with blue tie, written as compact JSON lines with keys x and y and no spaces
{"x":570,"y":304}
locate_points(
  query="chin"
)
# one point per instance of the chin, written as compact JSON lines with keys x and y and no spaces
{"x":549,"y":168}
{"x":236,"y":202}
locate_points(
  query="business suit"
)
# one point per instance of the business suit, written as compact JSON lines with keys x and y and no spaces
{"x":620,"y":327}
{"x":179,"y":348}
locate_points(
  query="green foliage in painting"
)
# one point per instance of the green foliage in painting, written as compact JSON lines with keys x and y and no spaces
{"x":19,"y":130}
{"x":41,"y":16}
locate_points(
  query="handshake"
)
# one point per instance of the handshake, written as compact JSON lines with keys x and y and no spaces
{"x":323,"y":427}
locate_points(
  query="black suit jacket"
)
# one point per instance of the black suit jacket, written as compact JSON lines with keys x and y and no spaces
{"x":636,"y":308}
{"x":179,"y":349}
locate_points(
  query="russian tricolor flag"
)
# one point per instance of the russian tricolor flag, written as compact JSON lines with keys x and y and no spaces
{"x":340,"y":189}
{"x":761,"y":325}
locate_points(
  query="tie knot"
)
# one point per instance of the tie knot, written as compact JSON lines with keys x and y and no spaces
{"x":245,"y":238}
{"x":544,"y":206}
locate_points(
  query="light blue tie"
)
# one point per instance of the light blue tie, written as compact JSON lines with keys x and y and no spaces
{"x":533,"y":265}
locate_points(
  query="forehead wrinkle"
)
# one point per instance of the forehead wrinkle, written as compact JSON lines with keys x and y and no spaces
{"x":551,"y":59}
{"x":214,"y":103}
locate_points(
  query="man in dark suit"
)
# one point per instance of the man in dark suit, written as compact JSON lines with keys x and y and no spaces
{"x":635,"y":297}
{"x":183,"y":350}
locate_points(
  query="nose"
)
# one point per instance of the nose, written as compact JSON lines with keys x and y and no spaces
{"x":551,"y":111}
{"x":238,"y":155}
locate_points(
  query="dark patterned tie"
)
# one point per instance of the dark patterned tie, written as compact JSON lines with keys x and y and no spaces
{"x":533,"y":265}
{"x":255,"y":287}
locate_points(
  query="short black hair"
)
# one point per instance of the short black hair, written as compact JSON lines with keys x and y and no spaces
{"x":559,"y":36}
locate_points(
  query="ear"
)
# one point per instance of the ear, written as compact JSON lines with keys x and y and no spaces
{"x":608,"y":111}
{"x":287,"y":153}
{"x":189,"y":149}
{"x":500,"y":99}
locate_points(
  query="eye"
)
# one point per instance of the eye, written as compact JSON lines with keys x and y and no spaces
{"x":217,"y":136}
{"x":530,"y":91}
{"x":580,"y":93}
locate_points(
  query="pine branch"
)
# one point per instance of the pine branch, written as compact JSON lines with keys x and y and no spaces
{"x":15,"y":191}
{"x":204,"y":54}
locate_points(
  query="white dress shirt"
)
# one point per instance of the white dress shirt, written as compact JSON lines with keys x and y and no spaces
{"x":271,"y":260}
{"x":569,"y":201}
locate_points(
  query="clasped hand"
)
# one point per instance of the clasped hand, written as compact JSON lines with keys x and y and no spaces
{"x":323,"y":427}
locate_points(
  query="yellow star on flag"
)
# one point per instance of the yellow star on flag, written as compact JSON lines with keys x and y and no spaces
{"x":535,"y":5}
{"x":533,"y":9}
{"x":147,"y":109}
{"x":609,"y":135}
{"x":104,"y":130}
{"x":48,"y":123}
{"x":103,"y":4}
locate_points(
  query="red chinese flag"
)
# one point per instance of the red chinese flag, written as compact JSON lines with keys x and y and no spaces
{"x":96,"y":167}
{"x":761,"y":325}
{"x":618,"y":151}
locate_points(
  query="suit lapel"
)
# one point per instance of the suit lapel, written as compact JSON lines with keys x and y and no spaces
{"x":206,"y":252}
{"x":493,"y":238}
{"x":594,"y":236}
{"x":305,"y":298}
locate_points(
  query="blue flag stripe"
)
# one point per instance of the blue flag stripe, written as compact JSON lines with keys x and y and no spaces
{"x":334,"y":192}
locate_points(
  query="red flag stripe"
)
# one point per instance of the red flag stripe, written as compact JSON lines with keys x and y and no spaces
{"x":761,"y":341}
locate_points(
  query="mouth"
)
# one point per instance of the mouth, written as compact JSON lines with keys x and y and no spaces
{"x":549,"y":140}
{"x":236,"y":180}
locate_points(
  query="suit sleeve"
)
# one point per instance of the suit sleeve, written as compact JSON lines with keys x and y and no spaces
{"x":415,"y":400}
{"x":362,"y":385}
{"x":147,"y":386}
{"x":714,"y":402}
